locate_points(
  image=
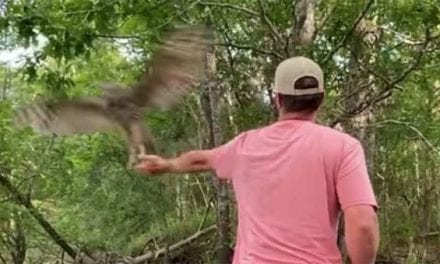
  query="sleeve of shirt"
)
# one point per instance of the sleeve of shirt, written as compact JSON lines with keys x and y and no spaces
{"x":353,"y":183}
{"x":222,"y":157}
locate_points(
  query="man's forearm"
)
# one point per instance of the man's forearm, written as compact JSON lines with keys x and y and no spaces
{"x":192,"y":161}
{"x":362,"y":244}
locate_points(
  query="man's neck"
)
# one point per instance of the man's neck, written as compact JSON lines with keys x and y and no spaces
{"x":298,"y":116}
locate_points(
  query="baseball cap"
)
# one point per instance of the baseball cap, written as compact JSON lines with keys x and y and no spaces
{"x":291,"y":70}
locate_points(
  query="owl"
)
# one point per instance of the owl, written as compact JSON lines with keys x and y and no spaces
{"x":175,"y":69}
{"x":369,"y":31}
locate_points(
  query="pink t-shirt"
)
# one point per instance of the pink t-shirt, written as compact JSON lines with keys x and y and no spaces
{"x":291,"y":179}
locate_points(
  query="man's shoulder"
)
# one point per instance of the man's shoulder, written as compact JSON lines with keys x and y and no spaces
{"x":251,"y":132}
{"x":239,"y":137}
{"x":336,"y":133}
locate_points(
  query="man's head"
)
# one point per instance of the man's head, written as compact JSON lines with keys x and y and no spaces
{"x":299,"y":86}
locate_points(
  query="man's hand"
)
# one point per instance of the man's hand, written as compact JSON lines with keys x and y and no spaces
{"x":152,"y":164}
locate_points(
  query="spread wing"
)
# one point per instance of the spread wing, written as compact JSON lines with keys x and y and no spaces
{"x":85,"y":115}
{"x":176,"y":67}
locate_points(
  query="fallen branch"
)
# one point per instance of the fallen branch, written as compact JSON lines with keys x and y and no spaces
{"x":349,"y":33}
{"x":430,"y":234}
{"x":153,"y":255}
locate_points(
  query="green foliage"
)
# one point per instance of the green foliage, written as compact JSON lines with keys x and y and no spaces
{"x":80,"y":184}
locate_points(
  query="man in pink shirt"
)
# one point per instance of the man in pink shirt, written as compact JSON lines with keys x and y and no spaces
{"x":292,"y":180}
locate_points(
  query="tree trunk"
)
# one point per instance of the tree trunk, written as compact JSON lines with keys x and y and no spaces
{"x":210,"y":102}
{"x":304,"y":29}
{"x":14,"y":239}
{"x":19,"y":241}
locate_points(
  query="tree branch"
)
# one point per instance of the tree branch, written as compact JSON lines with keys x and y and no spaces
{"x":228,"y":43}
{"x":275,"y":35}
{"x":154,"y":255}
{"x":376,"y":74}
{"x":117,"y":36}
{"x":405,"y":39}
{"x":432,"y":66}
{"x":3,"y":259}
{"x":5,"y":242}
{"x":85,"y":11}
{"x":416,"y":62}
{"x":205,"y":216}
{"x":390,"y":84}
{"x":247,"y":47}
{"x":21,"y":200}
{"x":230,"y":6}
{"x":6,"y":200}
{"x":324,"y":20}
{"x":349,"y":32}
{"x":413,"y":128}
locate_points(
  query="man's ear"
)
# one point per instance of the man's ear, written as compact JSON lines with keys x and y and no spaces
{"x":277,"y":100}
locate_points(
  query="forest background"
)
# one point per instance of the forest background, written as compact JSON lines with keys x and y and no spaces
{"x":65,"y":198}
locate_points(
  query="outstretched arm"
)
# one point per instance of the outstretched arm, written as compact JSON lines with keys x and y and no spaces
{"x":219,"y":159}
{"x":192,"y":161}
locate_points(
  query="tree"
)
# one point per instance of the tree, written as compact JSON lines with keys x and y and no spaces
{"x":380,"y":60}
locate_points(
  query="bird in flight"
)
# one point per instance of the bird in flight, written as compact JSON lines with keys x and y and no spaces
{"x":175,"y":69}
